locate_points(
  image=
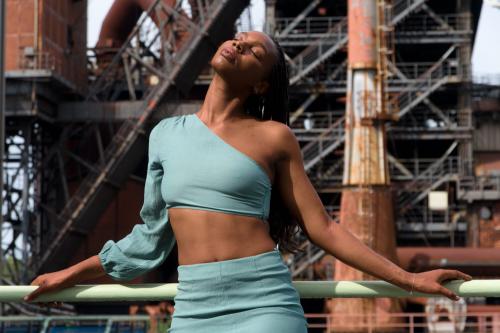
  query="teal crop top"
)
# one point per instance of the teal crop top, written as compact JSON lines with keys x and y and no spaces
{"x":188,"y":166}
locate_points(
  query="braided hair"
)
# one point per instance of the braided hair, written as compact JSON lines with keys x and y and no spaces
{"x":274,"y":105}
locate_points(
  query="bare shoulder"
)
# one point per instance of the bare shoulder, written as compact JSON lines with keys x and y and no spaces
{"x":281,"y":137}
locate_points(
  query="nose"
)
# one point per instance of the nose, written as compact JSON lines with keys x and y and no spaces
{"x":237,"y":45}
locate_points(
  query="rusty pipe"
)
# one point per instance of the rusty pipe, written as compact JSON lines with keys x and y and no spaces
{"x":474,"y":261}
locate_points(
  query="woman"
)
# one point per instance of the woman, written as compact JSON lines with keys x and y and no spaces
{"x":214,"y":171}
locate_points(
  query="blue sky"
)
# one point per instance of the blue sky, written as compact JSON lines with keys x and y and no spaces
{"x":485,"y":56}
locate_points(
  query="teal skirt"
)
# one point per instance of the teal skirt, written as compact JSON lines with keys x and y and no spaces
{"x":246,"y":295}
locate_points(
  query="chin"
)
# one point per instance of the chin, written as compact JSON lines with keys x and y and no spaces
{"x":224,"y":69}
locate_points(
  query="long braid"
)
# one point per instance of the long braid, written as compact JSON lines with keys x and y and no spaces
{"x":274,"y":106}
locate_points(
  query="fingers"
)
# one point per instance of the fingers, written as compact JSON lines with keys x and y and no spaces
{"x":450,"y":274}
{"x":448,"y":293}
{"x":45,"y":283}
{"x":51,"y":304}
{"x":37,"y":281}
{"x":463,"y":276}
{"x":54,"y":304}
{"x":34,"y":294}
{"x":42,"y":288}
{"x":30,"y":297}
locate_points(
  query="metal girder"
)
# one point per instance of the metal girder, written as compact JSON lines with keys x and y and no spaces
{"x":336,"y":38}
{"x":435,"y":77}
{"x":129,"y":143}
{"x":436,"y":174}
{"x":119,"y":110}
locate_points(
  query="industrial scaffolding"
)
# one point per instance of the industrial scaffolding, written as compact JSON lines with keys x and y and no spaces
{"x":70,"y":148}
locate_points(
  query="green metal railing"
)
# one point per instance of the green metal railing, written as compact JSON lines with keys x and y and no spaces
{"x":89,"y":323}
{"x":306,"y":289}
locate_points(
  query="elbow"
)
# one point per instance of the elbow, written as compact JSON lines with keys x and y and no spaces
{"x":324,"y":234}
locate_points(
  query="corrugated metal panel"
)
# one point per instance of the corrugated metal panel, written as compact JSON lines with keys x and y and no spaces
{"x":487,"y":137}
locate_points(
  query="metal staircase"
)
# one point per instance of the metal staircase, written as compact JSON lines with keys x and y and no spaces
{"x":336,"y":39}
{"x":127,"y":147}
{"x":321,"y":49}
{"x":441,"y":171}
{"x":324,"y":144}
{"x":441,"y":73}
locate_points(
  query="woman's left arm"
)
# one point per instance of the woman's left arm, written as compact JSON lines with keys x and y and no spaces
{"x":303,"y":201}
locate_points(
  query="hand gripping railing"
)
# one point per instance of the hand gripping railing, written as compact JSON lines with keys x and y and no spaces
{"x":306,"y":289}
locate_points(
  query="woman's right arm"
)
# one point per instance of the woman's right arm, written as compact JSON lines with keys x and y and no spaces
{"x":144,"y":248}
{"x":87,"y":269}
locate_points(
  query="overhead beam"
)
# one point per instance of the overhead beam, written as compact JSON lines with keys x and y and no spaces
{"x":118,"y":111}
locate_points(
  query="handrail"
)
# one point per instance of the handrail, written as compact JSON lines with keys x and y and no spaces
{"x":306,"y":289}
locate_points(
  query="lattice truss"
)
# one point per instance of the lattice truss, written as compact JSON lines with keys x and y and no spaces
{"x":314,"y":47}
{"x":81,"y":171}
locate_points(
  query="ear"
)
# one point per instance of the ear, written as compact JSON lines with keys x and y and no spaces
{"x":261,"y":88}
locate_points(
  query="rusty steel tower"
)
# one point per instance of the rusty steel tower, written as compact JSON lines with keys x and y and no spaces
{"x":366,"y":204}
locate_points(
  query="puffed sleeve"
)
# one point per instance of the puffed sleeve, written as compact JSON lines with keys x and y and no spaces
{"x":149,"y":243}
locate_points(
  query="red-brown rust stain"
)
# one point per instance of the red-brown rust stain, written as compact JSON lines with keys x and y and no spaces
{"x":367,"y":213}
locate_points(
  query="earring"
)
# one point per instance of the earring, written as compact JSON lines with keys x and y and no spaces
{"x":261,"y":105}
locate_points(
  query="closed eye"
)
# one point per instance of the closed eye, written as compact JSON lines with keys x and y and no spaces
{"x":251,"y":50}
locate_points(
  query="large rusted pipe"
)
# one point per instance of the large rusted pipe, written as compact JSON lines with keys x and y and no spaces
{"x":121,"y":19}
{"x":366,"y":207}
{"x":478,"y":262}
{"x":474,"y":261}
{"x":119,"y":22}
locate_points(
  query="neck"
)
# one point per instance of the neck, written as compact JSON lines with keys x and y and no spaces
{"x":222,"y":102}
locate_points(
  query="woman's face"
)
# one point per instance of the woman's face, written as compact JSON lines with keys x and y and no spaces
{"x":246,"y":60}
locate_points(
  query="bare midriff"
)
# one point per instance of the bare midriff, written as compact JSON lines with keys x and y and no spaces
{"x":206,"y":236}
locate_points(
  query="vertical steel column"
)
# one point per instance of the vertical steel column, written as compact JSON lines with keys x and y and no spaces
{"x":366,"y":203}
{"x":2,"y":128}
{"x":465,"y":149}
{"x":2,"y":117}
{"x":270,"y":23}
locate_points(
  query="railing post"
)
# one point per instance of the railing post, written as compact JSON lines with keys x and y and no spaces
{"x":45,"y":326}
{"x":109,"y":325}
{"x":412,"y":325}
{"x":481,"y":327}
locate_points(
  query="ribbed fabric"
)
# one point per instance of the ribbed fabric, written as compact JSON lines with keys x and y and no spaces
{"x":188,"y":166}
{"x":252,"y":294}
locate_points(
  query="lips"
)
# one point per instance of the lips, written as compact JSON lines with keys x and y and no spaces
{"x":229,"y":54}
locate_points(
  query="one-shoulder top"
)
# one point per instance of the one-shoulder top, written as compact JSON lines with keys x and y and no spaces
{"x":188,"y":166}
